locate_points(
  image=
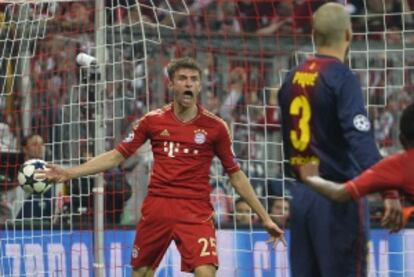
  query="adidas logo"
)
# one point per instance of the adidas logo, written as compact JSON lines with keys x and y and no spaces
{"x":165,"y":133}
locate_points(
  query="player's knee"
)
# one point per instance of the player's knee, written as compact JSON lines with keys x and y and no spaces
{"x":205,"y":271}
{"x":143,"y":271}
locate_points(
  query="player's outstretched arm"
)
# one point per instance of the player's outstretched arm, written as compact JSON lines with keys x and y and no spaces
{"x":98,"y":164}
{"x":242,"y":185}
{"x":309,"y":174}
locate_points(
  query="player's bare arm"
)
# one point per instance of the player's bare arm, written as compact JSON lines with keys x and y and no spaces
{"x":98,"y":164}
{"x":309,"y":174}
{"x":242,"y":185}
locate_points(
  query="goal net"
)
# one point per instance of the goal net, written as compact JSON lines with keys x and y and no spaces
{"x":83,"y":108}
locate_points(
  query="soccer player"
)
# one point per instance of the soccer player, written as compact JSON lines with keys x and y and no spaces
{"x":184,"y":137}
{"x":33,"y":147}
{"x":393,"y":172}
{"x":324,"y":121}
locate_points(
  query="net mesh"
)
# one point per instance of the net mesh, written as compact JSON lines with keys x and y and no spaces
{"x":245,"y":48}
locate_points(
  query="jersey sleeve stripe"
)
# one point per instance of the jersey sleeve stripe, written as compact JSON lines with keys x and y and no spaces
{"x":233,"y":169}
{"x":121,"y":149}
{"x":353,"y":190}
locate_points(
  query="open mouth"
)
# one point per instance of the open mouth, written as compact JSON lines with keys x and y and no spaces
{"x":188,"y":93}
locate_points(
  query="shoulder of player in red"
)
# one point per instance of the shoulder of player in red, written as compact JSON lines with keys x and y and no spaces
{"x":155,"y":112}
{"x":140,"y":131}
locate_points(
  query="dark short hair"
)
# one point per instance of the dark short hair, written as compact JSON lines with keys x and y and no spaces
{"x":407,"y":123}
{"x":185,"y":62}
{"x":26,"y":139}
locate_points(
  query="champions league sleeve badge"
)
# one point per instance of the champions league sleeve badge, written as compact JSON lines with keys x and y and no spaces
{"x":129,"y":138}
{"x":361,"y":123}
{"x":200,"y":136}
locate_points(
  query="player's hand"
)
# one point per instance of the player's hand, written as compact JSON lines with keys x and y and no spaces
{"x":276,"y":234}
{"x":308,"y":170}
{"x":53,"y":173}
{"x":393,"y":217}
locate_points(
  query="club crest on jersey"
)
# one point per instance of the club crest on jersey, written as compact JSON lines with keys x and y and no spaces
{"x":361,"y":123}
{"x":200,"y":136}
{"x":129,"y":138}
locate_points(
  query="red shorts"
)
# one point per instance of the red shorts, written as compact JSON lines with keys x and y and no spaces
{"x":189,"y":223}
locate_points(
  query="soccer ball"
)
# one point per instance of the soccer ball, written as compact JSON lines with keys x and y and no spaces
{"x":27,"y":180}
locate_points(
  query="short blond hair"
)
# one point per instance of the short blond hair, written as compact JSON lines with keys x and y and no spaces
{"x":330,"y":22}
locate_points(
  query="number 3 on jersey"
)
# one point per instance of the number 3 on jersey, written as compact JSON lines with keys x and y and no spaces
{"x":300,"y":137}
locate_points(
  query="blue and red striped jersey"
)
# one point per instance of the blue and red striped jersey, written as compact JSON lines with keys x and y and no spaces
{"x":324,"y":119}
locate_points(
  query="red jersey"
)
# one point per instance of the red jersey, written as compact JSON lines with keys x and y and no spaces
{"x":183,"y":151}
{"x":393,"y":172}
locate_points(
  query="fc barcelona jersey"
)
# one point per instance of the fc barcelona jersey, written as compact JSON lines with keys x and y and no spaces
{"x":324,"y":119}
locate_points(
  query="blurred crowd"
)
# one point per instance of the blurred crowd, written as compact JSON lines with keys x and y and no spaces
{"x":55,"y":98}
{"x":275,"y":17}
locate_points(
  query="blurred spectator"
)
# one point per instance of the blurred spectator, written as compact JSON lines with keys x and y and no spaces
{"x":278,"y":201}
{"x":384,"y":18}
{"x":276,"y":17}
{"x":236,"y":86}
{"x":9,"y":160}
{"x":234,"y":111}
{"x":195,"y":8}
{"x":5,"y":210}
{"x":227,"y":20}
{"x":279,"y":210}
{"x":302,"y":14}
{"x":221,"y":202}
{"x":243,"y":213}
{"x":378,"y":9}
{"x":284,"y":20}
{"x":78,"y":16}
{"x":255,"y":15}
{"x":212,"y":103}
{"x":255,"y":169}
{"x":211,"y":75}
{"x":8,"y":142}
{"x":138,"y":168}
{"x":383,"y":127}
{"x":117,"y":193}
{"x":33,"y":147}
{"x":405,"y":98}
{"x":270,"y":117}
{"x":33,"y":206}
